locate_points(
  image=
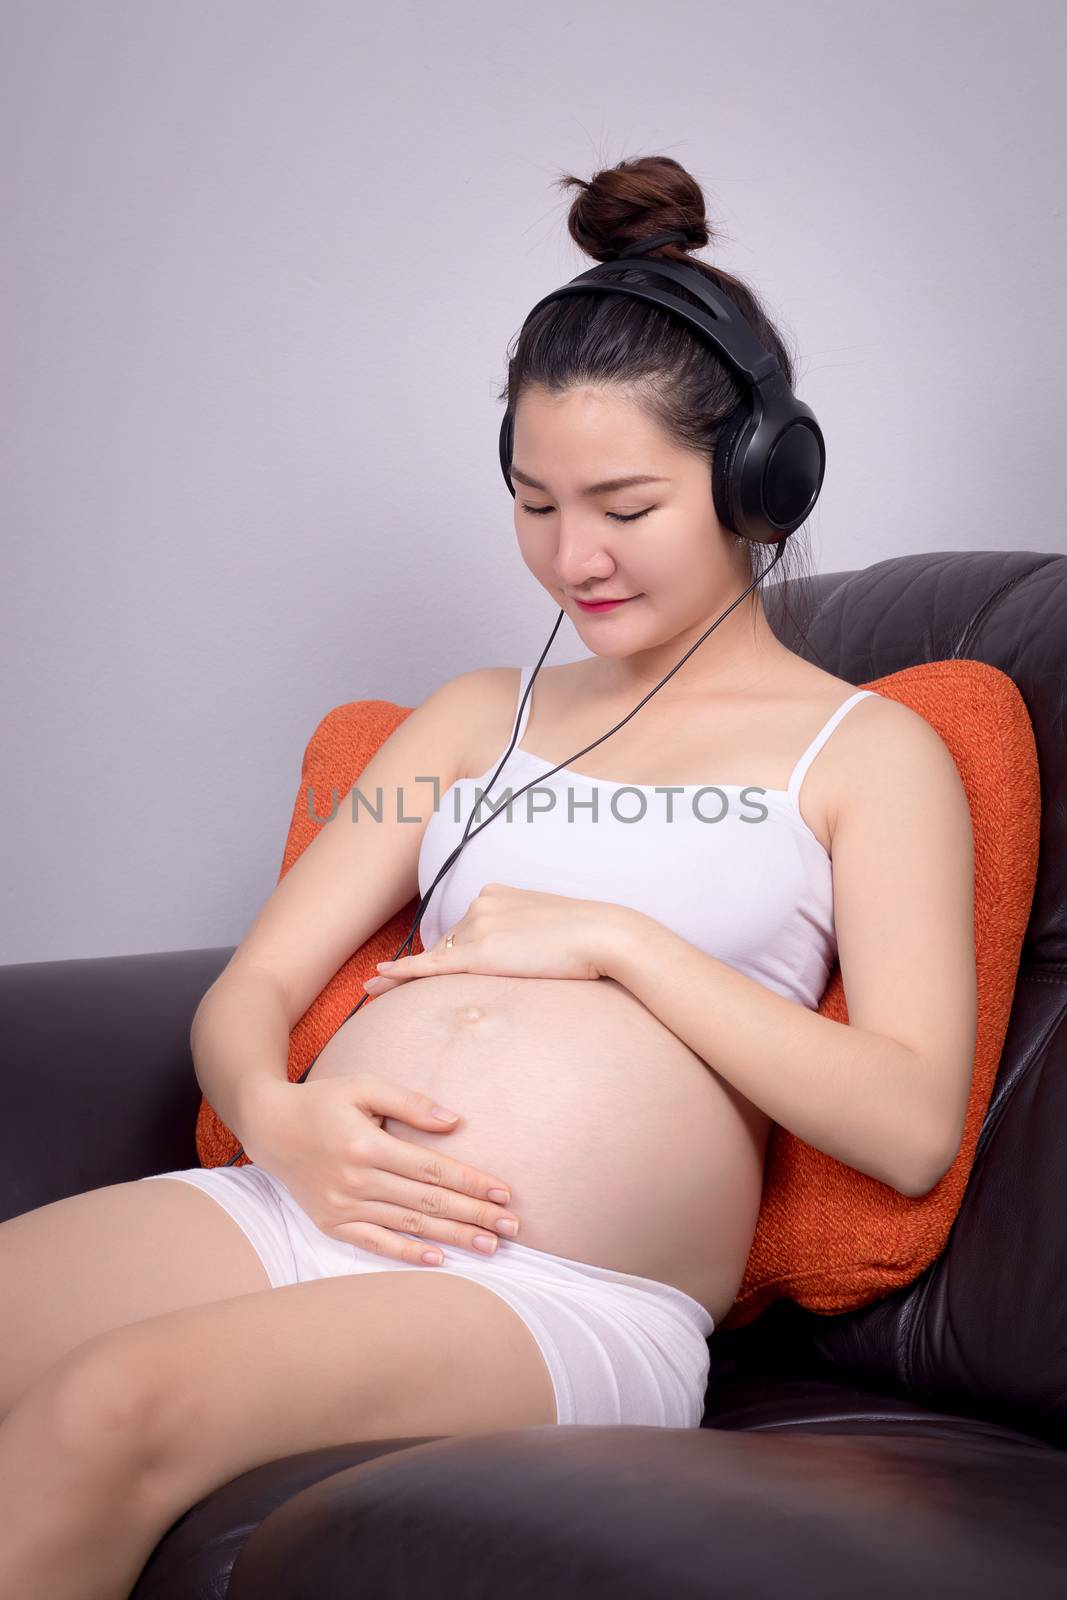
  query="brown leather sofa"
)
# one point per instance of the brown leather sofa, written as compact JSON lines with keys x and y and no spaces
{"x":917,"y":1444}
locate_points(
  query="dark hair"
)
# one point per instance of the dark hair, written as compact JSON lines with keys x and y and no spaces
{"x":614,"y":339}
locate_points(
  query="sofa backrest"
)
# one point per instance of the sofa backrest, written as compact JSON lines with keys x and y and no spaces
{"x":981,"y":1331}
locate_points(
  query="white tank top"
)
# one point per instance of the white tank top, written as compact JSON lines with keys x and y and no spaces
{"x":732,"y":868}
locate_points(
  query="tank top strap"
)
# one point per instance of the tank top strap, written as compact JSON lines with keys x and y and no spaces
{"x":797,"y":775}
{"x":525,"y":674}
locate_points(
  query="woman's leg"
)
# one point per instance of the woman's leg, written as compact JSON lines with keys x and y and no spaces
{"x":101,"y":1457}
{"x":97,"y":1261}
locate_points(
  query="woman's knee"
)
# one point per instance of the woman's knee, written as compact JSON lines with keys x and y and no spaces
{"x":104,"y":1405}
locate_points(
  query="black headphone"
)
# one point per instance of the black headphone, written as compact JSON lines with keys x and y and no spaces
{"x":768,"y":469}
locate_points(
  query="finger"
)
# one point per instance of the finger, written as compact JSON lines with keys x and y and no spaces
{"x":427,"y":1228}
{"x":443,"y":1203}
{"x":430,"y":1166}
{"x":435,"y":959}
{"x":384,"y":1242}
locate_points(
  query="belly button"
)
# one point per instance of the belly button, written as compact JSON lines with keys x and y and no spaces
{"x":472,"y":1013}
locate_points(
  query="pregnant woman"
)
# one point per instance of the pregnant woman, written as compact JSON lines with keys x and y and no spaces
{"x":617,"y":997}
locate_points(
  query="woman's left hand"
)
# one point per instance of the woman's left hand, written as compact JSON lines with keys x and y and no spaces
{"x":518,"y":933}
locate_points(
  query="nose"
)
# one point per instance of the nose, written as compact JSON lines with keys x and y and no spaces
{"x":580,"y":555}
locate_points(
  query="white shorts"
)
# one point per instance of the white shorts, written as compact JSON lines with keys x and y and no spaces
{"x":619,"y":1348}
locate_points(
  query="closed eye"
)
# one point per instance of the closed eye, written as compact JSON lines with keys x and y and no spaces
{"x":616,"y":516}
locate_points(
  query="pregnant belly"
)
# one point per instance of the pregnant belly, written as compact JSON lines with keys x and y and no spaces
{"x":621,"y":1146}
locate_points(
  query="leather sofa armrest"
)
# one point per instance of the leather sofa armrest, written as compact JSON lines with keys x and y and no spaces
{"x":99,"y":1086}
{"x":831,"y":1507}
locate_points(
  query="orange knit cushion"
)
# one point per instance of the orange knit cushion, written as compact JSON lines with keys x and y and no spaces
{"x":828,"y":1236}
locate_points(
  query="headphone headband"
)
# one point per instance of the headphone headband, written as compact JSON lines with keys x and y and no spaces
{"x":654,"y":243}
{"x":770,"y":455}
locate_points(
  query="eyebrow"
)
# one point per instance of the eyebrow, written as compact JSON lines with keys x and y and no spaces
{"x":607,"y":487}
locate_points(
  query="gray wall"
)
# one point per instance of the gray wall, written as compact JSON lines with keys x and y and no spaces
{"x":267,"y":260}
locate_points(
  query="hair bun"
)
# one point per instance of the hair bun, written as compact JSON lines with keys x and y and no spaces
{"x":634,"y":200}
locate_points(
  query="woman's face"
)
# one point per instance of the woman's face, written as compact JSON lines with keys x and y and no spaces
{"x":674,"y":563}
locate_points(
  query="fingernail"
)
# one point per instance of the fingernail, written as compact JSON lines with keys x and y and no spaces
{"x":444,"y":1116}
{"x":501,"y":1196}
{"x":482,"y":1241}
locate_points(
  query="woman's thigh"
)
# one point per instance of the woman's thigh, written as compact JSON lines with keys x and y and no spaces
{"x":205,"y":1394}
{"x":97,"y":1261}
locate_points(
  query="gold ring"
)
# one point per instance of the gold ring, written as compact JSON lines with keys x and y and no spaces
{"x":450,"y":941}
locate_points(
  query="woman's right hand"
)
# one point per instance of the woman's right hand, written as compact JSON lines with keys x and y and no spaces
{"x":324,"y":1139}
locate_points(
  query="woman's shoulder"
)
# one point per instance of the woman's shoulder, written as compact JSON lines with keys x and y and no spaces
{"x":880,"y":746}
{"x":874,"y":716}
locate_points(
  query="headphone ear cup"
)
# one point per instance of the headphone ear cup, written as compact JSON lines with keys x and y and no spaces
{"x":724,"y":479}
{"x":505,"y":451}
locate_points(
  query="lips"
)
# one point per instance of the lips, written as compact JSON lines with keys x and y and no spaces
{"x":593,"y":608}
